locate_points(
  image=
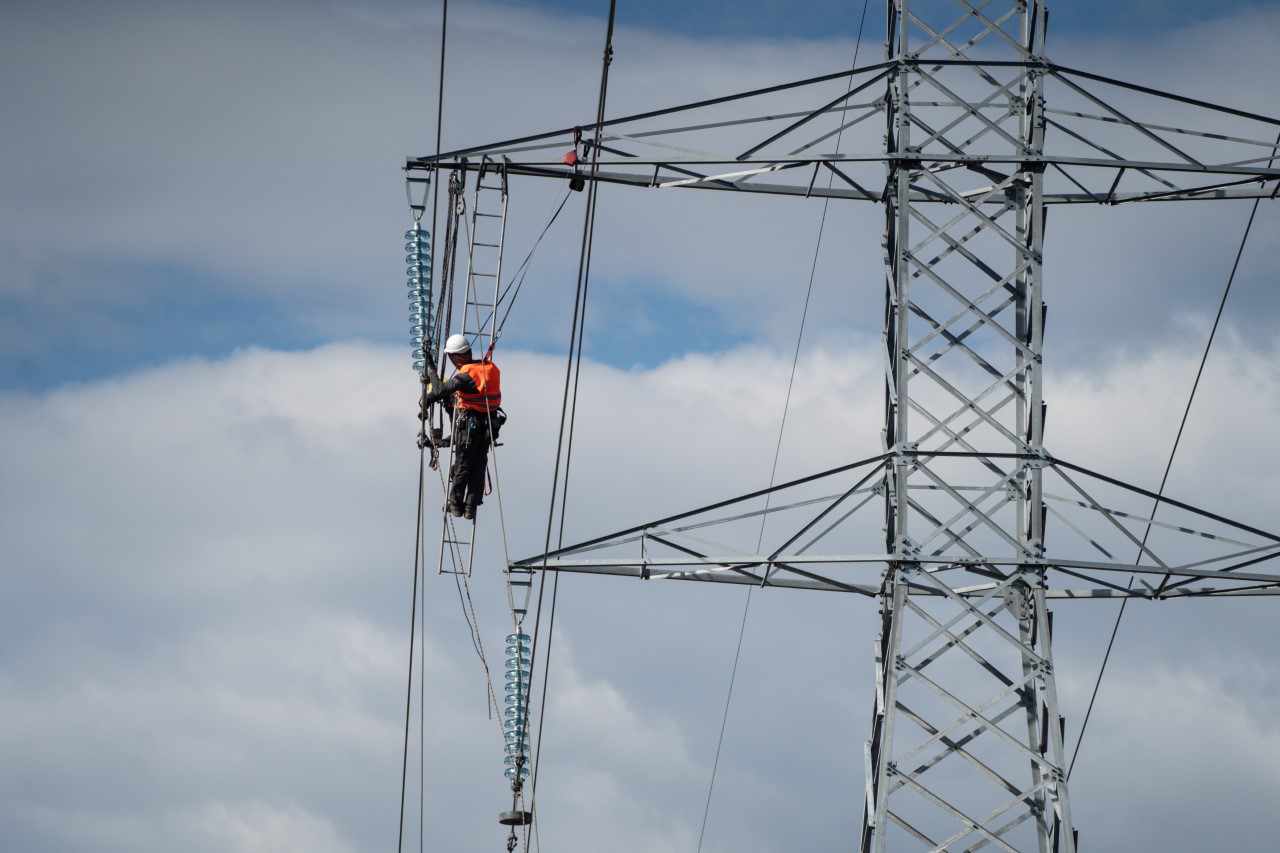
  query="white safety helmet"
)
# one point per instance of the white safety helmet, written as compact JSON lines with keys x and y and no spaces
{"x":456,"y":344}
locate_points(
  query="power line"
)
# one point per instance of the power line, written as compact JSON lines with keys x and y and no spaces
{"x":419,"y":575}
{"x":413,"y":623}
{"x":1164,"y":480}
{"x":568,"y":406}
{"x":777,"y":453}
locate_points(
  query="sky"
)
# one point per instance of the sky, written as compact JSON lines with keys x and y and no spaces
{"x":208,"y":475}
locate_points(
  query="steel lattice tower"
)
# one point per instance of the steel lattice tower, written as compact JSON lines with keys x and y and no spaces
{"x":966,"y":742}
{"x":964,"y":432}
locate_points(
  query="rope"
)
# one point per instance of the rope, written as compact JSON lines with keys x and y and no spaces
{"x":777,"y":453}
{"x":460,"y":571}
{"x":1222,"y":304}
{"x":518,"y":279}
{"x":467,"y":604}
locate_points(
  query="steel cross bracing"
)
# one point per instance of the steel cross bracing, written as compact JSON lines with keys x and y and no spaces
{"x":974,"y":131}
{"x":957,"y":758}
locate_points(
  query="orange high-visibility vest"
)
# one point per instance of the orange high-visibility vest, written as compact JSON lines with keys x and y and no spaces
{"x":488,"y":394}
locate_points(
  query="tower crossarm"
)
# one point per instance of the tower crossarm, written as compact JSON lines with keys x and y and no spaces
{"x":1110,"y":141}
{"x":1110,"y":539}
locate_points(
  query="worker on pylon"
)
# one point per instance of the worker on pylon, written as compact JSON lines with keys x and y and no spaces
{"x":473,"y":394}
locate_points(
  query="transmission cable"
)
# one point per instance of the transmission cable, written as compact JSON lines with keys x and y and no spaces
{"x":565,"y":440}
{"x":777,"y":453}
{"x":413,"y":623}
{"x":1163,"y":480}
{"x":419,"y":572}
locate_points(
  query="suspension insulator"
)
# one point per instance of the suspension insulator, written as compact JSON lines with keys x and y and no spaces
{"x":516,"y":723}
{"x":418,"y":271}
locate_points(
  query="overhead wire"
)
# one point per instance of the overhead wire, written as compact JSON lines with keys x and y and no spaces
{"x":413,"y":623}
{"x":569,"y":398}
{"x":574,"y":372}
{"x":456,"y":208}
{"x":777,"y":453}
{"x":1213,"y":331}
{"x":419,"y":573}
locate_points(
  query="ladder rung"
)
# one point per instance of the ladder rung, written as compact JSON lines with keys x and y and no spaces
{"x":522,"y":583}
{"x":486,"y":274}
{"x":457,"y":541}
{"x":480,"y":304}
{"x":489,"y":215}
{"x":487,"y":245}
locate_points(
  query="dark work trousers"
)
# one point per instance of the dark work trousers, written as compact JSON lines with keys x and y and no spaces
{"x":470,"y":454}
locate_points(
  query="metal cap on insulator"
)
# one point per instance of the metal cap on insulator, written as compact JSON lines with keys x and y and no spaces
{"x":515,"y":818}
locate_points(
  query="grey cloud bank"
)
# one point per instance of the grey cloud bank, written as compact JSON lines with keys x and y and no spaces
{"x":188,"y":179}
{"x":207,"y":581}
{"x":206,"y":562}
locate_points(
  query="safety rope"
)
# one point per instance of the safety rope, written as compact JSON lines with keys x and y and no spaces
{"x":426,"y":440}
{"x":514,"y":285}
{"x":461,"y":567}
{"x":777,"y":452}
{"x":1115,"y":628}
{"x":522,"y":271}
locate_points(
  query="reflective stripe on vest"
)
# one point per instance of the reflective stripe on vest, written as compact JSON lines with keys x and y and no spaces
{"x":488,"y":393}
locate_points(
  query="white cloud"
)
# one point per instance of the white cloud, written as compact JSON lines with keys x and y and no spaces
{"x":206,"y":565}
{"x":1178,"y":740}
{"x":207,"y":572}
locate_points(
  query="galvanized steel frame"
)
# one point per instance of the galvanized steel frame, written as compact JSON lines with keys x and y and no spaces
{"x":995,"y":319}
{"x":965,"y":485}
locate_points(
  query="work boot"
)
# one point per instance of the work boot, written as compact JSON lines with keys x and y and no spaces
{"x":469,"y":511}
{"x":455,"y":509}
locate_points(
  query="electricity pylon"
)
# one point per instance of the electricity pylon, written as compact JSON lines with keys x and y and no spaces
{"x":978,"y":133}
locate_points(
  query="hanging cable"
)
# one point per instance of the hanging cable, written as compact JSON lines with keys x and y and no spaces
{"x":777,"y":453}
{"x":417,"y":631}
{"x":517,"y":280}
{"x":572,"y":370}
{"x":1115,"y":628}
{"x":413,"y":622}
{"x":421,"y":572}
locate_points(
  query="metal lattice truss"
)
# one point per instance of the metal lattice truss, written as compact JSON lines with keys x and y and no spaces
{"x":1109,"y":541}
{"x":1107,"y":141}
{"x":966,"y":743}
{"x":964,"y":134}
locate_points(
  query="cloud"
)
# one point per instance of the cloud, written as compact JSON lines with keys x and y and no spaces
{"x":1183,"y":729}
{"x":190,"y":179}
{"x":207,"y":562}
{"x":207,"y":596}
